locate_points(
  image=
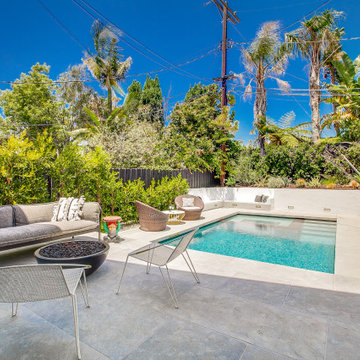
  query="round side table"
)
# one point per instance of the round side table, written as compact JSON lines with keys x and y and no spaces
{"x":112,"y":226}
{"x":175,"y":216}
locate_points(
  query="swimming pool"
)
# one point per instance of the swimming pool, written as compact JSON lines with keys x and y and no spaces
{"x":300,"y":243}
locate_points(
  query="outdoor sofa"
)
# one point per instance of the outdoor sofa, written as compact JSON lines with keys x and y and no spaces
{"x":23,"y":225}
{"x":243,"y":198}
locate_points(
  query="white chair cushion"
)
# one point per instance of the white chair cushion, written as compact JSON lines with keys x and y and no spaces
{"x":189,"y":208}
{"x":187,"y":202}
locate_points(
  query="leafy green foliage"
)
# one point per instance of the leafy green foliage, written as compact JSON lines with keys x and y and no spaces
{"x":145,"y":104}
{"x":275,"y":182}
{"x":304,"y":161}
{"x":314,"y":183}
{"x":24,"y":166}
{"x":32,"y":105}
{"x":246,"y":170}
{"x":346,"y":99}
{"x":199,"y":129}
{"x":159,"y":194}
{"x":283,"y":132}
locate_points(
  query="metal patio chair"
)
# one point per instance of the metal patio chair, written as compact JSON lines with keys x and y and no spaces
{"x":31,"y":283}
{"x":160,"y":255}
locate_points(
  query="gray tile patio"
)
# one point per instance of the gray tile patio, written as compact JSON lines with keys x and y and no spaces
{"x":223,"y":318}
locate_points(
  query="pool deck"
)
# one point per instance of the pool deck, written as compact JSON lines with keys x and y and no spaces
{"x":241,"y":310}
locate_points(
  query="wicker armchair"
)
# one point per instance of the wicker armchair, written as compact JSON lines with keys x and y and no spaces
{"x":191,"y":212}
{"x":150,"y":219}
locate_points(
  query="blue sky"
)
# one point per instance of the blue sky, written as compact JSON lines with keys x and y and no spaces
{"x":178,"y":31}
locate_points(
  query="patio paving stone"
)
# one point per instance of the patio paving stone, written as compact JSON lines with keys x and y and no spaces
{"x":256,"y":353}
{"x":287,"y":333}
{"x":342,"y":344}
{"x":29,"y":336}
{"x":187,"y":341}
{"x":334,"y":306}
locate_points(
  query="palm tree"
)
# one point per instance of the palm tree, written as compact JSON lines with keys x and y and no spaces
{"x":263,"y":59}
{"x":316,"y":40}
{"x":106,"y":64}
{"x":346,"y":95}
{"x":96,"y":125}
{"x":283,"y":132}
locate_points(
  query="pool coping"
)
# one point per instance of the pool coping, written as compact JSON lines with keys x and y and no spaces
{"x":347,"y":252}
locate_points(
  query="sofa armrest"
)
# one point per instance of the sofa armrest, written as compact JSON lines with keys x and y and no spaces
{"x":92,"y":211}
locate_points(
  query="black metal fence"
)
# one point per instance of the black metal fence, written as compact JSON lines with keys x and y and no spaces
{"x":195,"y":179}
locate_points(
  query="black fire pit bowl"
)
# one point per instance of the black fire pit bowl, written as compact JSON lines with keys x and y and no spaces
{"x":95,"y":260}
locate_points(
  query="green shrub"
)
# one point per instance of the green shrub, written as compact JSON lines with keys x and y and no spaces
{"x":314,"y":183}
{"x":248,"y":169}
{"x":276,"y":182}
{"x":300,"y":183}
{"x":24,"y":169}
{"x":286,"y":181}
{"x":159,"y":194}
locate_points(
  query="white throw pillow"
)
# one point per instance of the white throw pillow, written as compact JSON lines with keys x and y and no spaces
{"x":187,"y":202}
{"x":68,"y":209}
{"x":75,"y":209}
{"x":57,"y":207}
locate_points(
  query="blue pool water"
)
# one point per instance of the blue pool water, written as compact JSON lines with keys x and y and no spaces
{"x":300,"y":243}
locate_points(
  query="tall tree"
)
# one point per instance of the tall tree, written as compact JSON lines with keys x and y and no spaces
{"x":198,"y":129}
{"x":346,"y":97}
{"x":132,"y":100}
{"x":32,"y":104}
{"x":313,"y":40}
{"x":151,"y":102}
{"x":263,"y":59}
{"x":106,"y":64}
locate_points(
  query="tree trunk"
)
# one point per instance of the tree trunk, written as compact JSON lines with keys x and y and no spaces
{"x":109,"y":100}
{"x":314,"y":93}
{"x":260,"y":107}
{"x":332,"y":75}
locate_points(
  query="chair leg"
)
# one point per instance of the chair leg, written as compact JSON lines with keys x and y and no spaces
{"x":14,"y":309}
{"x":149,"y":260}
{"x":148,"y":267}
{"x":84,"y":290}
{"x":122,"y":275}
{"x":170,"y":286}
{"x":192,"y":267}
{"x":76,"y":325}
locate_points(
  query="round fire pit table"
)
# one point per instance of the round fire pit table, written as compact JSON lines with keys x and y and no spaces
{"x":85,"y":252}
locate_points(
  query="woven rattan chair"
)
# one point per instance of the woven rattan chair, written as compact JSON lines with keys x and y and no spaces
{"x":30,"y":283}
{"x":150,"y":219}
{"x":160,"y":255}
{"x":191,"y":212}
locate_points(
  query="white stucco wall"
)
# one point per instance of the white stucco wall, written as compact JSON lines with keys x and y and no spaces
{"x":341,"y":202}
{"x":315,"y":201}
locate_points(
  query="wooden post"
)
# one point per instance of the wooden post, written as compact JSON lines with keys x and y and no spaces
{"x":227,"y":14}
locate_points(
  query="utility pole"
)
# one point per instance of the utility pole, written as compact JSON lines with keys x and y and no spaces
{"x":227,"y":14}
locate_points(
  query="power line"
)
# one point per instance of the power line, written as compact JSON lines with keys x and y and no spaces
{"x":133,"y":75}
{"x":275,"y":7}
{"x":62,"y":26}
{"x":182,"y":72}
{"x":183,"y":64}
{"x":307,"y":41}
